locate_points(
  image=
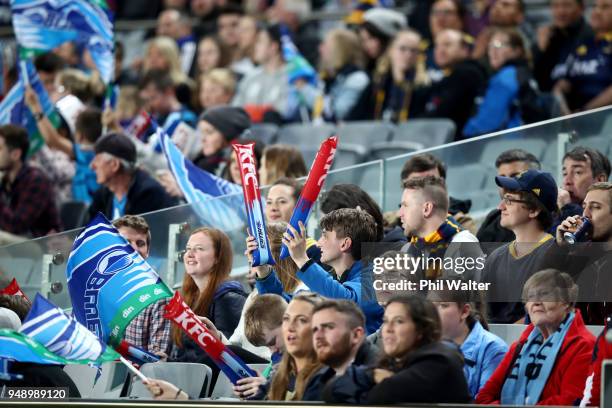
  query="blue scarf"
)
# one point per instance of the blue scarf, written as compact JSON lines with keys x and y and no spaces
{"x":531,"y":369}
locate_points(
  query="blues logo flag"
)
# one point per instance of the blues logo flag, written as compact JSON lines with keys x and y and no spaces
{"x":201,"y":187}
{"x":63,"y":335}
{"x":16,"y":346}
{"x":13,"y":109}
{"x":109,"y":282}
{"x":42,"y":25}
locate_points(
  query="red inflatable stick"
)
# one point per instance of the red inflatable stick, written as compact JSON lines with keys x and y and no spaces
{"x":252,"y":200}
{"x":14,"y":289}
{"x":316,"y":177}
{"x":182,"y":315}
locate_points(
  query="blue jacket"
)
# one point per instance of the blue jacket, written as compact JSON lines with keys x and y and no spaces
{"x":482,"y":352}
{"x":496,"y":112}
{"x":355,"y":284}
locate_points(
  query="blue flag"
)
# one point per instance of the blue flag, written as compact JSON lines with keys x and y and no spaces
{"x":42,"y":25}
{"x":109,"y":282}
{"x":16,"y":346}
{"x":13,"y":109}
{"x":200,"y":187}
{"x":63,"y":335}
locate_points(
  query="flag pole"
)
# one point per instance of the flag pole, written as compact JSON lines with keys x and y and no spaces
{"x":133,"y":369}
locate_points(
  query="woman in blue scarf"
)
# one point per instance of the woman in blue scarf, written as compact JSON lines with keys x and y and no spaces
{"x":549,"y":364}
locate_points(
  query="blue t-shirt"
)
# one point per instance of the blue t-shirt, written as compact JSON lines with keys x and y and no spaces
{"x":119,"y":207}
{"x":589,"y":70}
{"x":84,"y":182}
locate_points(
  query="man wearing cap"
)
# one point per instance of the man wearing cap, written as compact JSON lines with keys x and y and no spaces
{"x":125,"y":188}
{"x":527,"y":205}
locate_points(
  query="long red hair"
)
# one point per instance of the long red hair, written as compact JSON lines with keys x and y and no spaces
{"x":199,"y":301}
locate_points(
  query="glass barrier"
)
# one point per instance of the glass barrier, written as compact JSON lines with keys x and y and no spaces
{"x":39,"y":265}
{"x":471,"y":163}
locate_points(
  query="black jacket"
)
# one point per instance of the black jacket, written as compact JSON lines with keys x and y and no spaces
{"x":454,"y":96}
{"x":224,"y":312}
{"x":431,"y":374}
{"x":491,"y":231}
{"x":144,"y":195}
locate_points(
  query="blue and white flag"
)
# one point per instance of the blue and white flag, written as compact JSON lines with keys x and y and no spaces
{"x":15,"y":346}
{"x":13,"y":109}
{"x":42,"y":25}
{"x":201,"y":187}
{"x":297,"y":66}
{"x":63,"y":335}
{"x":109,"y":282}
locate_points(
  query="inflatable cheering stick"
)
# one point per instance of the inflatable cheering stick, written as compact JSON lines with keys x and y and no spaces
{"x":252,"y":201}
{"x":316,"y":177}
{"x":182,"y":315}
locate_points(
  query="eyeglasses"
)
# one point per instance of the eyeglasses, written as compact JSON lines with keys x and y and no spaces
{"x":509,"y":200}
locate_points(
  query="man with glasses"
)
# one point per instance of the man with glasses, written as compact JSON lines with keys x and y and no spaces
{"x":527,"y":206}
{"x":125,"y":188}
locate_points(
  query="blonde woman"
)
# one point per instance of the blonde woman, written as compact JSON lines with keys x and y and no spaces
{"x":162,"y":53}
{"x":217,"y":87}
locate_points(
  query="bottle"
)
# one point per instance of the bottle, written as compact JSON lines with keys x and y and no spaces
{"x":580,"y":234}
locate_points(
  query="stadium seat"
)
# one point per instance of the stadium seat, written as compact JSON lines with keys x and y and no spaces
{"x":191,"y":377}
{"x":385,"y":150}
{"x":264,"y":132}
{"x":72,"y":214}
{"x":299,"y":134}
{"x":109,"y":384}
{"x":224,"y":388}
{"x":466,"y":180}
{"x":496,"y":145}
{"x":428,"y":132}
{"x":601,"y":143}
{"x":347,"y":155}
{"x":365,"y":133}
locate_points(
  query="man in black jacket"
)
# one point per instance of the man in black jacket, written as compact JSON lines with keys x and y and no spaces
{"x":125,"y":188}
{"x":338,"y":336}
{"x":453,"y":97}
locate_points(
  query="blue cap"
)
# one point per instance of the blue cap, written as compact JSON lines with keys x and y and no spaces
{"x":540,"y":183}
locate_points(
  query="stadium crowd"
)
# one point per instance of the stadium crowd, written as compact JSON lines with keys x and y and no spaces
{"x":212,"y":69}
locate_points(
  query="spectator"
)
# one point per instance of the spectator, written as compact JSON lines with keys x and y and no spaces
{"x":126,"y":189}
{"x":177,"y":25}
{"x":582,"y":166}
{"x":395,"y":78}
{"x":510,"y":163}
{"x":338,"y":334}
{"x":281,"y":161}
{"x":17,"y":304}
{"x":281,"y":199}
{"x":207,"y":289}
{"x":343,"y":232}
{"x":501,"y":109}
{"x":414,"y":365}
{"x":228,"y":23}
{"x":426,"y":164}
{"x":352,"y":196}
{"x":466,"y":326}
{"x":588,"y":82}
{"x":27,"y":198}
{"x":248,"y":31}
{"x":588,"y":261}
{"x":217,"y":88}
{"x":346,"y":84}
{"x":267,"y":87}
{"x":453,"y":96}
{"x":528,"y":203}
{"x":556,"y":341}
{"x":557,"y":40}
{"x":444,"y":15}
{"x":503,"y":14}
{"x":211,"y":54}
{"x":48,"y":66}
{"x":148,"y":330}
{"x":206,"y":12}
{"x":379,"y":27}
{"x":423,"y":212}
{"x":157,"y":90}
{"x":162,"y":54}
{"x":88,"y":128}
